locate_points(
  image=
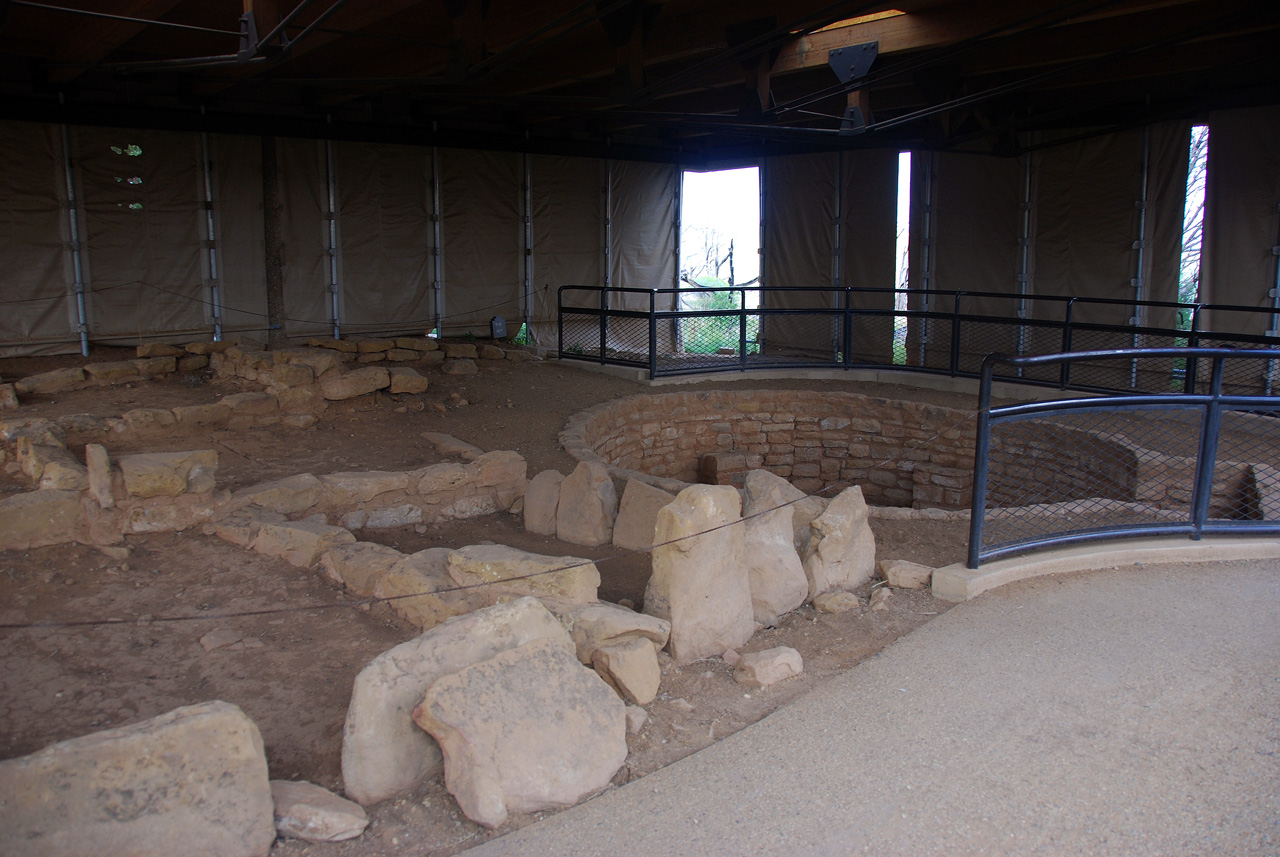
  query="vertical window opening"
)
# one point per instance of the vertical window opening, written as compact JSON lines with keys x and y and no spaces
{"x":1193,"y":223}
{"x":902,"y":252}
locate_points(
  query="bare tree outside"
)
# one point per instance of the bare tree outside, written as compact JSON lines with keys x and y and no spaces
{"x":1193,"y":219}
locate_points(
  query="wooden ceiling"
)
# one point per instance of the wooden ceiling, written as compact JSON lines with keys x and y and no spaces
{"x":691,"y":81}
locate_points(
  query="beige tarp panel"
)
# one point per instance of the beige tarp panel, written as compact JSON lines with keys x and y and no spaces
{"x":978,"y":219}
{"x":799,"y":217}
{"x":868,"y":242}
{"x":37,"y":308}
{"x":1242,"y":218}
{"x":483,"y":238}
{"x":1166,"y":204}
{"x":568,"y":231}
{"x":384,"y":223}
{"x":237,"y":206}
{"x":304,"y":236}
{"x":144,"y":213}
{"x":644,"y":249}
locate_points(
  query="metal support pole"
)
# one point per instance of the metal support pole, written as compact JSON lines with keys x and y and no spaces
{"x":77,"y":262}
{"x":215,"y":297}
{"x":437,"y":255}
{"x":608,"y":223}
{"x":1140,"y":280}
{"x":1207,"y":456}
{"x":333,"y":240}
{"x":981,"y":464}
{"x":841,"y":341}
{"x":955,"y":333}
{"x":1024,"y":255}
{"x":678,"y":225}
{"x":1065,"y":372}
{"x":1274,"y":329}
{"x":528,"y":245}
{"x":926,"y":248}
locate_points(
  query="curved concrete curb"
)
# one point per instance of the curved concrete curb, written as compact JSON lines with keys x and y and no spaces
{"x":959,"y":583}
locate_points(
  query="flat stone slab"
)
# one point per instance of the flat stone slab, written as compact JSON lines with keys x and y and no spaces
{"x":192,"y":782}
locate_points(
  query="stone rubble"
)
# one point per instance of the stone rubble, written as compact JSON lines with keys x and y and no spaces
{"x":307,"y":811}
{"x":903,"y":574}
{"x":761,"y":669}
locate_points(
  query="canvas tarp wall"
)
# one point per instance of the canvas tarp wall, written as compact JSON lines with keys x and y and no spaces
{"x":567,"y":196}
{"x":1242,"y":216}
{"x":236,"y":177}
{"x":37,"y":304}
{"x":1086,"y":235}
{"x":801,"y":195}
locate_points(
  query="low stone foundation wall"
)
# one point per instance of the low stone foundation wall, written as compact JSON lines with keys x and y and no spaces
{"x":901,"y":453}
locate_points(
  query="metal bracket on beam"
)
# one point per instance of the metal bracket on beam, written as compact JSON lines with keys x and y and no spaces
{"x":851,"y":63}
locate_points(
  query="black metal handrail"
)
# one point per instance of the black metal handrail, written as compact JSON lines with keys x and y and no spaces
{"x":1209,"y":406}
{"x":944,"y":339}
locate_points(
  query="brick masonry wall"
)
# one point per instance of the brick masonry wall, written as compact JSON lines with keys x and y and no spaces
{"x":815,"y":440}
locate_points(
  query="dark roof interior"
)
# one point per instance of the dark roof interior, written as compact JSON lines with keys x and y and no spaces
{"x":692,"y":81}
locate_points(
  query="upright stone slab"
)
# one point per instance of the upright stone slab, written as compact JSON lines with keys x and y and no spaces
{"x":638,"y":515}
{"x":300,"y":543}
{"x":99,"y":466}
{"x":541,"y":500}
{"x":700,"y":582}
{"x":383,"y":751}
{"x":56,"y":381}
{"x":192,"y":782}
{"x":527,"y":730}
{"x":778,"y":582}
{"x":588,"y":505}
{"x":842,"y":548}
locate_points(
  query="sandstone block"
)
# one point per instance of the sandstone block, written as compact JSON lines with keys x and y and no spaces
{"x":778,"y":582}
{"x":406,"y":380}
{"x":63,"y":473}
{"x":251,"y":403}
{"x":8,"y":397}
{"x":383,"y":751}
{"x":347,"y":489}
{"x":203,"y":349}
{"x":148,"y":420}
{"x":517,"y":356}
{"x":836,"y":602}
{"x":903,"y":574}
{"x":369,"y":346}
{"x":33,"y":458}
{"x":344,"y":346}
{"x":168,"y":474}
{"x":321,"y":362}
{"x":360,"y":565}
{"x":420,"y":589}
{"x":527,"y":730}
{"x":400,"y":515}
{"x":722,"y":468}
{"x":306,"y":811}
{"x":372,"y":357}
{"x":301,"y":400}
{"x":116,"y":372}
{"x":588,"y":506}
{"x":286,"y":496}
{"x":191,"y":782}
{"x":153,"y":367}
{"x":541,"y":499}
{"x":638,"y":515}
{"x":637,"y":719}
{"x":491,"y":352}
{"x":432,"y":358}
{"x":504,"y":570}
{"x":417,"y":343}
{"x":56,"y":381}
{"x":402,"y":355}
{"x":301,"y":543}
{"x":357,"y":382}
{"x":459,"y":367}
{"x":439,"y":478}
{"x":98,"y":464}
{"x":842,"y":549}
{"x":700,"y":582}
{"x":293,"y":374}
{"x":39,"y":518}
{"x":631,"y":669}
{"x":598,"y":624}
{"x":170,"y":514}
{"x":241,"y":528}
{"x":759,"y":669}
{"x":159,"y":349}
{"x":460,"y":351}
{"x":33,"y":430}
{"x":192,"y":363}
{"x":201,"y":416}
{"x":84,"y":428}
{"x":447,"y":444}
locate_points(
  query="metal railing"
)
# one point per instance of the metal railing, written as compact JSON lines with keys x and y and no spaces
{"x":1052,"y":473}
{"x":681,"y":331}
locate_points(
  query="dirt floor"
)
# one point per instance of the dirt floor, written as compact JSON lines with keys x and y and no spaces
{"x":292,"y":669}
